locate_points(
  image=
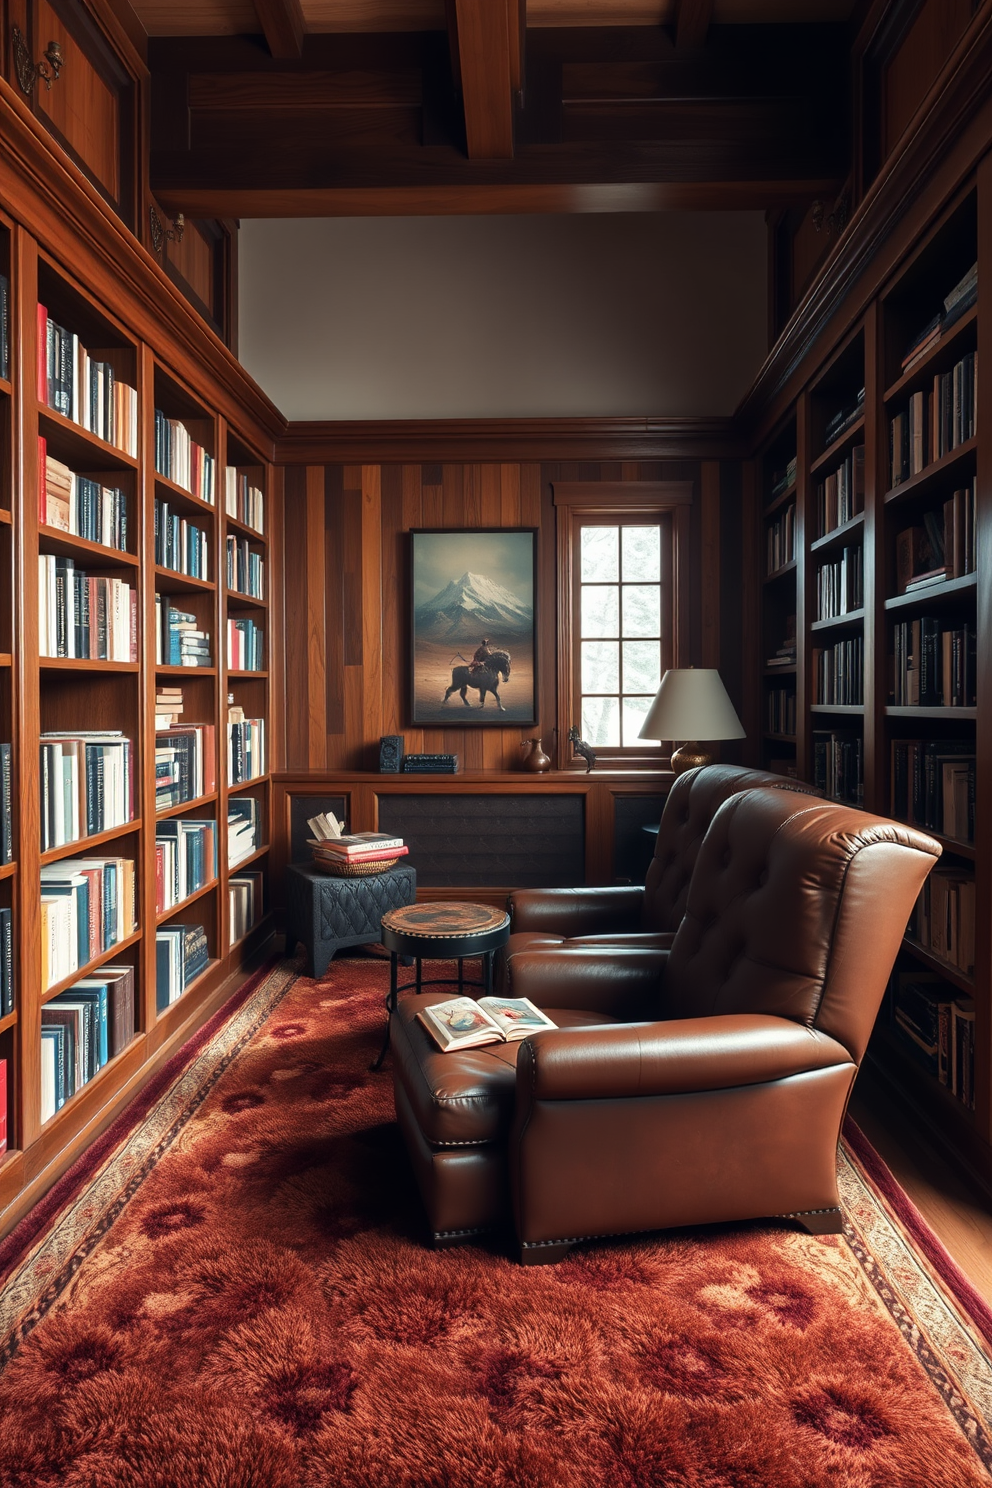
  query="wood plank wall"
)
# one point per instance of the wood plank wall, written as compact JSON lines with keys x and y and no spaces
{"x":347,"y":593}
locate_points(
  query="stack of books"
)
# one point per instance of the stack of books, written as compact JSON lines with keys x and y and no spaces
{"x":242,"y":829}
{"x":245,"y":748}
{"x":6,"y":804}
{"x":179,"y":544}
{"x":185,"y":766}
{"x":87,"y":785}
{"x":4,"y":372}
{"x":74,"y":503}
{"x":783,"y":479}
{"x":245,"y":568}
{"x":243,"y":501}
{"x":937,"y":1026}
{"x":934,"y":663}
{"x":245,"y":646}
{"x":180,"y":459}
{"x":786,"y":653}
{"x":83,"y":389}
{"x":933,"y":785}
{"x":3,"y":1093}
{"x":82,"y":1030}
{"x":244,"y":895}
{"x":6,"y":962}
{"x":845,"y":416}
{"x":179,"y":639}
{"x":842,"y":495}
{"x":87,"y":906}
{"x":168,"y":707}
{"x":181,"y":954}
{"x":957,"y":303}
{"x":335,"y":850}
{"x":185,"y":860}
{"x":84,"y":616}
{"x":840,"y":585}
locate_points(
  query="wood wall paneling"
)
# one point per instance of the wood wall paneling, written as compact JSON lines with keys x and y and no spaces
{"x":917,"y":61}
{"x":347,"y":600}
{"x":82,"y":104}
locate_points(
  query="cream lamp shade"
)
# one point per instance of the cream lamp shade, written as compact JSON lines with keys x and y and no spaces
{"x":691,"y":704}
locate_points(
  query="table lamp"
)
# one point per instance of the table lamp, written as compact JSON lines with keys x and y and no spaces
{"x":691,"y":704}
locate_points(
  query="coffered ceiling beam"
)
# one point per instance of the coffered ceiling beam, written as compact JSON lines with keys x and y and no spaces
{"x":692,"y":21}
{"x":487,"y":40}
{"x":284,"y":27}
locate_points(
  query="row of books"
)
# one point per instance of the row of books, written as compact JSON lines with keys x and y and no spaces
{"x":179,"y":544}
{"x":3,"y":1099}
{"x":78,"y":505}
{"x":6,"y":804}
{"x":185,"y":860}
{"x":87,"y":785}
{"x":839,"y":673}
{"x":781,"y":711}
{"x":179,"y":638}
{"x":244,"y":901}
{"x":943,"y":918}
{"x":243,"y":829}
{"x":87,"y":906}
{"x":840,"y":584}
{"x":942,"y":547}
{"x":185,"y":764}
{"x":6,"y":962}
{"x":956,"y":303}
{"x":933,"y":785}
{"x":243,"y":501}
{"x":82,"y":1029}
{"x":935,"y":421}
{"x":245,"y":568}
{"x":846,"y":415}
{"x":81,"y":387}
{"x":781,"y":540}
{"x":784,"y":478}
{"x":841,"y":495}
{"x":181,"y":954}
{"x":937,"y":1026}
{"x":934,"y":663}
{"x":838,"y":764}
{"x":180,"y":459}
{"x":4,"y":362}
{"x":245,"y":750}
{"x":245,"y":646}
{"x":83,"y":615}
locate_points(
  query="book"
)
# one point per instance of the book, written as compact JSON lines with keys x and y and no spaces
{"x":347,"y":845}
{"x":371,"y":855}
{"x":463,"y":1023}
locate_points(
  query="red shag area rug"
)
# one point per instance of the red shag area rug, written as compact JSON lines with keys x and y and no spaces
{"x":232,"y":1291}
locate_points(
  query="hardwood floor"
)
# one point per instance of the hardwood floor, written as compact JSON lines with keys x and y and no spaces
{"x":959,"y":1215}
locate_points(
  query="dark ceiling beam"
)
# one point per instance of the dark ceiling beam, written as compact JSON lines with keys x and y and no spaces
{"x":486,"y":72}
{"x":284,"y":27}
{"x":692,"y":21}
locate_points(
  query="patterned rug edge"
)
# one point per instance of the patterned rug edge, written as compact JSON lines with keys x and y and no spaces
{"x":943,"y":1263}
{"x":67,"y":1188}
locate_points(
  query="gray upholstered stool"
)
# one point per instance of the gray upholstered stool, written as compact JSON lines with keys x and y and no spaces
{"x":328,"y":913}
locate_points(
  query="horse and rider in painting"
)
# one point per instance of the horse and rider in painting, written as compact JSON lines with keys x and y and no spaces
{"x":483,"y":673}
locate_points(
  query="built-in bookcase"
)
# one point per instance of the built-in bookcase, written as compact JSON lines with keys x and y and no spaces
{"x":9,"y":814}
{"x":892,"y":585}
{"x":114,"y":452}
{"x":778,"y":661}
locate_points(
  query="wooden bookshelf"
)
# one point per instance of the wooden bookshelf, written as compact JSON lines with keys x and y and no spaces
{"x":900,"y":518}
{"x":71,"y":693}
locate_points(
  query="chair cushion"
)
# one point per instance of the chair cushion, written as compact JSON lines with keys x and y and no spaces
{"x":466,"y":1096}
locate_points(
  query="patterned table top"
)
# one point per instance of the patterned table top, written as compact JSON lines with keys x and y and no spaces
{"x":444,"y":919}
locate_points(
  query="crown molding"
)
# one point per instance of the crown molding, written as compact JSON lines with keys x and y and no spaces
{"x":373,"y":441}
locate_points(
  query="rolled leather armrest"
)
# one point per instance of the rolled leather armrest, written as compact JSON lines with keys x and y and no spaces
{"x":591,"y":911}
{"x":619,"y":980}
{"x":684,"y":1055}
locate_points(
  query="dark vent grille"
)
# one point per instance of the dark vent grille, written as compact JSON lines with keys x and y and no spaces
{"x":500,"y":841}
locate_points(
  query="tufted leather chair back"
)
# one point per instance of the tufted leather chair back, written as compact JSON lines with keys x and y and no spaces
{"x":692,"y":803}
{"x":796,"y":909}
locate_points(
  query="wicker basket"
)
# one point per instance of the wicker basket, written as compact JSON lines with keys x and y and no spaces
{"x":341,"y":868}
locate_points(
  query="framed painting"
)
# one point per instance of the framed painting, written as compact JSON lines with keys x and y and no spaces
{"x":472,"y":626}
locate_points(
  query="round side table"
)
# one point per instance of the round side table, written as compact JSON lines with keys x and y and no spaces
{"x":440,"y":932}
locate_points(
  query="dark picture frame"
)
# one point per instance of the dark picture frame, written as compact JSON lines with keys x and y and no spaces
{"x":467,"y":586}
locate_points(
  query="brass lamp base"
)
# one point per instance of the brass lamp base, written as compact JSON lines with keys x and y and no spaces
{"x":691,"y":756}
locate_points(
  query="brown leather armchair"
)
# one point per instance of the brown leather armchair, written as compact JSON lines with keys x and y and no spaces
{"x":637,"y":915}
{"x":699,"y":1084}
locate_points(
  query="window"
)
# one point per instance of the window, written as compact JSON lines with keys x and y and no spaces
{"x":619,"y":550}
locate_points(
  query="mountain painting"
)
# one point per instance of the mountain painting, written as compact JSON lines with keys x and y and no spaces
{"x":472,"y":631}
